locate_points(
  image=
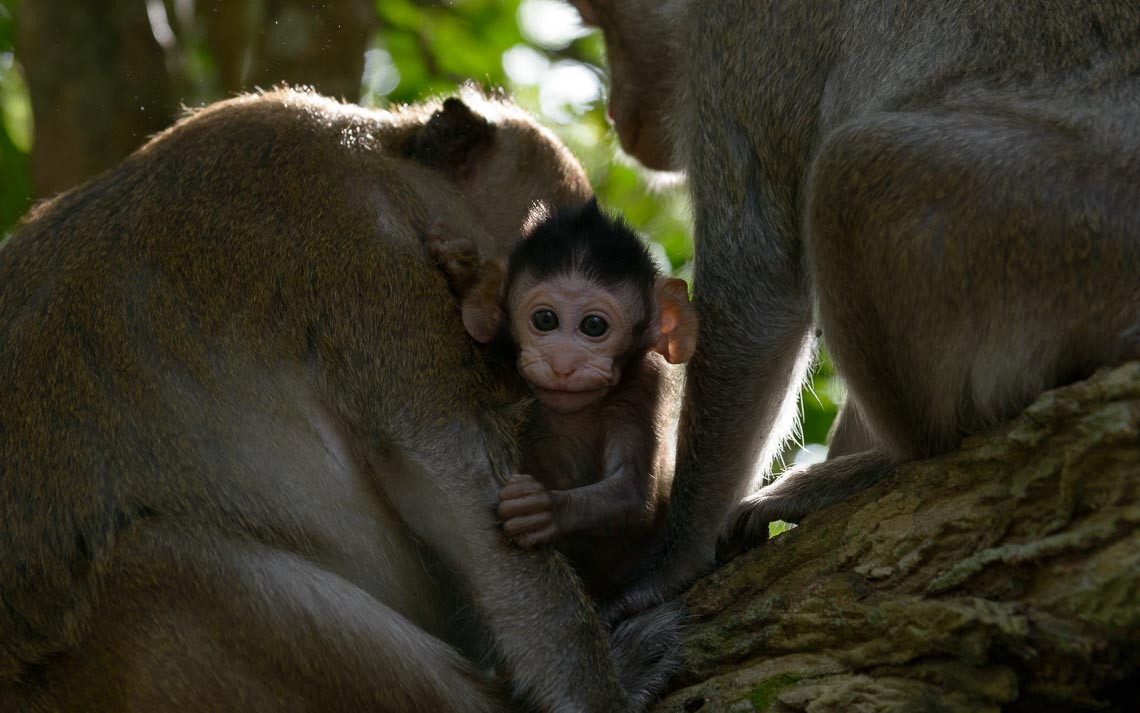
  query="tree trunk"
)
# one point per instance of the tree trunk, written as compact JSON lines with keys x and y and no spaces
{"x":1004,"y":576}
{"x":264,"y":43}
{"x":98,"y":83}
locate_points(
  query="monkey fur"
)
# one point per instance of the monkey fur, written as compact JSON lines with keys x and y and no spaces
{"x":597,"y":461}
{"x":948,"y":192}
{"x":249,"y":459}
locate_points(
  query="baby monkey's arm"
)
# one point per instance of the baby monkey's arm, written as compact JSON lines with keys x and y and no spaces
{"x":624,"y":500}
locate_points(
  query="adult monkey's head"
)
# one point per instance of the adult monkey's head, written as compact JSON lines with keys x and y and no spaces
{"x":639,"y":48}
{"x":484,"y":144}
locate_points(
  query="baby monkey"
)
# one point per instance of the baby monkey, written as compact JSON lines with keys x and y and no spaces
{"x":594,"y":327}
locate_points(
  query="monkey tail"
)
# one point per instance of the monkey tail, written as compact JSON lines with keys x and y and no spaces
{"x":647,"y":648}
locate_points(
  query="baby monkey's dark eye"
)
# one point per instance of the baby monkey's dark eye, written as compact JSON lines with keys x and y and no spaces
{"x":594,"y":326}
{"x":544,"y":320}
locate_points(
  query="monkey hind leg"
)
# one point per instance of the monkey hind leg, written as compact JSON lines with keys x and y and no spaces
{"x":850,"y":433}
{"x":218,"y":624}
{"x":801,"y":490}
{"x":965,"y":262}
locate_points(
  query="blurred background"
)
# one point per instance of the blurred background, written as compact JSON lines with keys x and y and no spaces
{"x":85,"y":82}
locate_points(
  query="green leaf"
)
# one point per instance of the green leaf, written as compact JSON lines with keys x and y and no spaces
{"x":15,"y":105}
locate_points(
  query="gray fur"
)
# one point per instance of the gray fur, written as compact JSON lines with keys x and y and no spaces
{"x":951,"y":188}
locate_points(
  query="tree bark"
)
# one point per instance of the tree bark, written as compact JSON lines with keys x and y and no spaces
{"x":1004,"y":576}
{"x":98,"y":83}
{"x":318,"y":44}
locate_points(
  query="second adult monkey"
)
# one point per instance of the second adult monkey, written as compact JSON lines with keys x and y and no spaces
{"x":592,"y":325}
{"x":948,"y":192}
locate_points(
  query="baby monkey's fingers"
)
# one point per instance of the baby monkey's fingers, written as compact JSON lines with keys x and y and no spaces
{"x":525,"y":509}
{"x":532,"y":504}
{"x":530,"y":530}
{"x":520,"y":486}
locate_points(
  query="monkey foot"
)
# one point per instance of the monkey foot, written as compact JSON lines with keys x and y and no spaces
{"x":658,"y":578}
{"x":746,"y":528}
{"x":631,"y":603}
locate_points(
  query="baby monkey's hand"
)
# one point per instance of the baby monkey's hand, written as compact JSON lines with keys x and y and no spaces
{"x":526,"y":509}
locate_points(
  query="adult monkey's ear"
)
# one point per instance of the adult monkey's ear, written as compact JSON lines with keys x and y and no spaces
{"x":453,"y":139}
{"x":483,"y":315}
{"x":677,"y":321}
{"x":588,"y":12}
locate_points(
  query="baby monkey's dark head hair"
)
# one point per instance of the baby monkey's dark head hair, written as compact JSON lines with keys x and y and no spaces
{"x":585,"y":241}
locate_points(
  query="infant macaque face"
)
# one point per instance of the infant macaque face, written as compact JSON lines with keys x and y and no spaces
{"x":572,"y":336}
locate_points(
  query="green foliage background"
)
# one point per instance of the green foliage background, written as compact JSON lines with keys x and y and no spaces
{"x":427,"y":48}
{"x":15,"y":126}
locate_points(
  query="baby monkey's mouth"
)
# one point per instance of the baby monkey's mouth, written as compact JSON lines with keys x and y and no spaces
{"x":565,"y":400}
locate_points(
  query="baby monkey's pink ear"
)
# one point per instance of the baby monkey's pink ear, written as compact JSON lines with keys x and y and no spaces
{"x":677,"y":338}
{"x":483,"y":316}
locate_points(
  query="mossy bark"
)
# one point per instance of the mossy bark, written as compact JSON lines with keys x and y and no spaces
{"x":1003,"y":576}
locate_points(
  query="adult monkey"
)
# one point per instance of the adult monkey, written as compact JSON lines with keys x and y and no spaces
{"x":952,"y":188}
{"x":247,"y":451}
